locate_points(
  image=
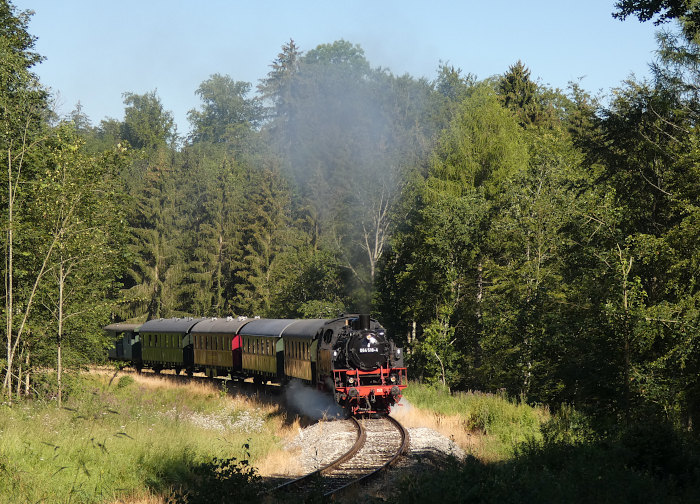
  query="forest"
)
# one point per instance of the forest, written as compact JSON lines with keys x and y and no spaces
{"x":514,"y":238}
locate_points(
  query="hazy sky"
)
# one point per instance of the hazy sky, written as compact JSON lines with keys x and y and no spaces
{"x":96,"y":50}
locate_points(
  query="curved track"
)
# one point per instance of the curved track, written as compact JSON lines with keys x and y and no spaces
{"x":380,"y":442}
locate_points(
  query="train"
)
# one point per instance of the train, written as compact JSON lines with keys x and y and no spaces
{"x":350,"y":357}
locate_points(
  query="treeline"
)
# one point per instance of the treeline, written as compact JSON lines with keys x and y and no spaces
{"x":512,"y":236}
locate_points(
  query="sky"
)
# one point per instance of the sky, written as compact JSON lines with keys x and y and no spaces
{"x":97,"y":50}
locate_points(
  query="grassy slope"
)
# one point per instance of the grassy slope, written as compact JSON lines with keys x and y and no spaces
{"x":529,"y":457}
{"x":487,"y":426}
{"x":134,"y":436}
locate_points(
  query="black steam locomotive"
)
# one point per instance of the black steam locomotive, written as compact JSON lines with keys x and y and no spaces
{"x":350,"y":357}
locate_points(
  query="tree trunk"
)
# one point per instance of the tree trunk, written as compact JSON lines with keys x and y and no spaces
{"x":59,"y":337}
{"x":26,"y":375}
{"x":9,"y":279}
{"x":626,"y":267}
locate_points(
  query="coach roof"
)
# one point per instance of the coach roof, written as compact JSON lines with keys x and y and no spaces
{"x":171,"y":325}
{"x":229,"y":325}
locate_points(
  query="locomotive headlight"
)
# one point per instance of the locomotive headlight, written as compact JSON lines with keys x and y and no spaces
{"x":335,"y":353}
{"x":392,"y":378}
{"x":351,"y":380}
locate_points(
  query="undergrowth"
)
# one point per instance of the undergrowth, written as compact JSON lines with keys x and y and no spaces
{"x":555,"y":459}
{"x":504,"y":424}
{"x":122,"y":437}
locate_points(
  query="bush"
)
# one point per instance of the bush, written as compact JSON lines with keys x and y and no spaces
{"x":222,"y":480}
{"x":125,"y":381}
{"x":648,"y":463}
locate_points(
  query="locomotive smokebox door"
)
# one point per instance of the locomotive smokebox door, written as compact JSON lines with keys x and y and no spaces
{"x":368,"y":350}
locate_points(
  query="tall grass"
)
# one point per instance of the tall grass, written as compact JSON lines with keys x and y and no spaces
{"x":529,"y":456}
{"x":132,"y":436}
{"x":501,"y":424}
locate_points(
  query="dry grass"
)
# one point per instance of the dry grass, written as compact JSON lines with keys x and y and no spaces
{"x":167,"y":380}
{"x":276,"y":463}
{"x":284,"y":463}
{"x":145,"y":498}
{"x":453,"y":427}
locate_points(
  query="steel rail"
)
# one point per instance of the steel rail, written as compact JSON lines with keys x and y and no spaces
{"x":302,"y":480}
{"x":403,"y":448}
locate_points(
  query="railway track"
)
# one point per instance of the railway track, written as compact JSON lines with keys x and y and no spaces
{"x":380,"y":442}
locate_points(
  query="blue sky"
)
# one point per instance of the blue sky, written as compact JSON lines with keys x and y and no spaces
{"x":97,"y":50}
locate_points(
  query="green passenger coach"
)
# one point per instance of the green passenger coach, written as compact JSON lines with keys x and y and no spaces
{"x":167,"y":344}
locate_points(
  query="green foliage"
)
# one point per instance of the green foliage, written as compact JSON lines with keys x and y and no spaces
{"x":113,"y":442}
{"x":125,"y":381}
{"x":647,"y":463}
{"x":505,"y":422}
{"x":438,"y":353}
{"x":217,"y":481}
{"x":687,"y":12}
{"x":521,"y":95}
{"x":264,"y":236}
{"x":482,"y":149}
{"x":226,"y":115}
{"x":147,"y":124}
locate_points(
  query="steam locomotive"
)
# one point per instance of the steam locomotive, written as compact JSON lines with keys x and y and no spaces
{"x":350,"y":357}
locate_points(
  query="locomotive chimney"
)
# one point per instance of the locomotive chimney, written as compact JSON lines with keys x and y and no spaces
{"x":363,"y":322}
